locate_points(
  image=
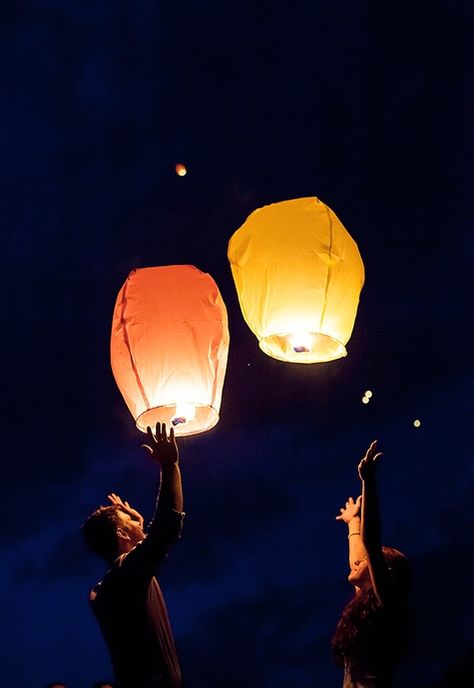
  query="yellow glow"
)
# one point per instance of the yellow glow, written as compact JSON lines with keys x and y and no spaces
{"x":365,"y":400}
{"x":417,"y":423}
{"x":301,"y":342}
{"x":298,"y":275}
{"x":368,"y":394}
{"x":180,"y":169}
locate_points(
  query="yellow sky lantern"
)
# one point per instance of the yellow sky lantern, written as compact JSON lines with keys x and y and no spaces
{"x":169,"y":346}
{"x":298,"y":275}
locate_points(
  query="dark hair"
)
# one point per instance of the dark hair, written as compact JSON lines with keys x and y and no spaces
{"x":360,"y":615}
{"x":100,"y":531}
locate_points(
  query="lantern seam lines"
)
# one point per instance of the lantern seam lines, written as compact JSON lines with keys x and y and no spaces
{"x":323,"y":311}
{"x":126,"y":340}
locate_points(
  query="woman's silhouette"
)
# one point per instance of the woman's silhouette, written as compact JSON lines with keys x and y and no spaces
{"x":373,"y":630}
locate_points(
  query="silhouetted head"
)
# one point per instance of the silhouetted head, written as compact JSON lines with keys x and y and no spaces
{"x":112,"y":530}
{"x":398,"y":567}
{"x":358,"y":621}
{"x":359,"y":575}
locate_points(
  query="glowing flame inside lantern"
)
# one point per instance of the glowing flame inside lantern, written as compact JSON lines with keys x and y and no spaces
{"x":184,"y":413}
{"x":301,"y":342}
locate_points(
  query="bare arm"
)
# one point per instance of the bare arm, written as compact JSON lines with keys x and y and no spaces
{"x":350,"y":514}
{"x":370,"y":525}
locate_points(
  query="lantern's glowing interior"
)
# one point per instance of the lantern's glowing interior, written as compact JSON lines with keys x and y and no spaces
{"x":184,"y":413}
{"x":185,"y":418}
{"x":302,"y":347}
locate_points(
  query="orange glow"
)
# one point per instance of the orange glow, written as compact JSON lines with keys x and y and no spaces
{"x":298,"y":276}
{"x":180,"y":170}
{"x":169,"y":346}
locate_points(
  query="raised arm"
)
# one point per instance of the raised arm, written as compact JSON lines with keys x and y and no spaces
{"x":350,"y":514}
{"x":370,"y":525}
{"x":165,"y":527}
{"x":164,"y":451}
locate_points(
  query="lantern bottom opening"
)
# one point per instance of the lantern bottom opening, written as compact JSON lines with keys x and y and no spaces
{"x":318,"y":348}
{"x":205,"y":418}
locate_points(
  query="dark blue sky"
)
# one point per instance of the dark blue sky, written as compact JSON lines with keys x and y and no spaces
{"x":362,"y":104}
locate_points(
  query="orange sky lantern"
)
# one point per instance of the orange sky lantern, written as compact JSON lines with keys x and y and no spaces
{"x":181,"y":169}
{"x":298,"y":275}
{"x":169,"y":347}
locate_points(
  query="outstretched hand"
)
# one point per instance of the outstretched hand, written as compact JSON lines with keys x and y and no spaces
{"x":161,"y":447}
{"x":116,"y":500}
{"x":367,"y":466}
{"x":350,"y":510}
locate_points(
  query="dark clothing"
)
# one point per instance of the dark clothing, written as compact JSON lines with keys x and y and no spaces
{"x":131,"y":611}
{"x":358,"y":674}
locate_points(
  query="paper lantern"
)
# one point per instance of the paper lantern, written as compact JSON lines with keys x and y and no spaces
{"x":298,"y":275}
{"x":169,"y":347}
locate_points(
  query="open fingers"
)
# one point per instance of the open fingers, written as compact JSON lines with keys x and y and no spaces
{"x":172,"y":438}
{"x":114,"y":498}
{"x":372,"y":453}
{"x":164,"y":436}
{"x":160,"y":432}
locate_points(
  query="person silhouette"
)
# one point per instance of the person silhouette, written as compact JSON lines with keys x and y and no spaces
{"x":128,"y":602}
{"x":373,"y":630}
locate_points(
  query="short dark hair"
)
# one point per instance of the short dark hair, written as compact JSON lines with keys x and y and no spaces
{"x":100,"y":531}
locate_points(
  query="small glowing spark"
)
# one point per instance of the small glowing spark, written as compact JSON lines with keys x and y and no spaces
{"x":365,"y":400}
{"x":417,"y":423}
{"x":368,"y":394}
{"x":180,"y":169}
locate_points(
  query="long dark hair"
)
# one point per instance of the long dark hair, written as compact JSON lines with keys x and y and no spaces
{"x":362,"y":615}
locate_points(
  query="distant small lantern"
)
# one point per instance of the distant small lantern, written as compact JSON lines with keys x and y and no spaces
{"x":169,"y":347}
{"x":180,"y":170}
{"x":298,"y":275}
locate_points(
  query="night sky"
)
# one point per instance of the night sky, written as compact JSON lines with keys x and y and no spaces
{"x":362,"y":104}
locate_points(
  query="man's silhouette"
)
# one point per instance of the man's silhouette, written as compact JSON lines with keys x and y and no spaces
{"x":128,"y":602}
